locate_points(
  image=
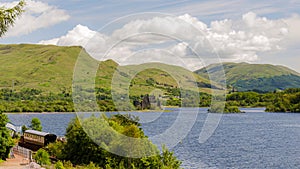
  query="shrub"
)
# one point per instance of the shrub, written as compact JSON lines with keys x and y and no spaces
{"x":42,"y":157}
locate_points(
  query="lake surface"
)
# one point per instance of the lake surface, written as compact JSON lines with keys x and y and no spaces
{"x":254,"y":139}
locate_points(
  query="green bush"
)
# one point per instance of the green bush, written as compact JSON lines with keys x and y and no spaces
{"x":42,"y":157}
{"x":59,"y":165}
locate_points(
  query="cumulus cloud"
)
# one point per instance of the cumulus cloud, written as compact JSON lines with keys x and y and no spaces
{"x":183,"y":40}
{"x":293,"y":29}
{"x":37,"y":15}
{"x":79,"y":35}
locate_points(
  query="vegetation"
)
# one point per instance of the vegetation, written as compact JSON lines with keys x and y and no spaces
{"x":9,"y":15}
{"x":42,"y":157}
{"x":59,"y":165}
{"x":7,"y":18}
{"x":253,"y":77}
{"x":36,"y":124}
{"x":39,"y":79}
{"x":223,"y":107}
{"x":50,"y":68}
{"x":32,"y":100}
{"x":6,"y":142}
{"x":85,"y":136}
{"x":24,"y":128}
{"x":285,"y":101}
{"x":278,"y":101}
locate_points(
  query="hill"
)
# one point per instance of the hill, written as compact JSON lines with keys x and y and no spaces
{"x":50,"y":69}
{"x":254,"y":77}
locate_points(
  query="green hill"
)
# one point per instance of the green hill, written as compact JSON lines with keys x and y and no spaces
{"x":50,"y":69}
{"x":37,"y":66}
{"x":255,"y":77}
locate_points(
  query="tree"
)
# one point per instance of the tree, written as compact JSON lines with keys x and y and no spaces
{"x":36,"y":124}
{"x":6,"y":142}
{"x":24,"y":128}
{"x":9,"y":15}
{"x":42,"y":157}
{"x":81,"y":149}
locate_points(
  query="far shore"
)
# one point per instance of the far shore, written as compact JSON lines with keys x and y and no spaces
{"x":135,"y":111}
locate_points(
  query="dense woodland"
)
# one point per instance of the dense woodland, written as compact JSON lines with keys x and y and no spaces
{"x":33,"y":100}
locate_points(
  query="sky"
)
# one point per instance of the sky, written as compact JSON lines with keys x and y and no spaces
{"x":187,"y":33}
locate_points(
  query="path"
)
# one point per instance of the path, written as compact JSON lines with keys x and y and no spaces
{"x":15,"y":163}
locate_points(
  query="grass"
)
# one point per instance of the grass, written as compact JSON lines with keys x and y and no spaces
{"x":45,"y":67}
{"x":50,"y":68}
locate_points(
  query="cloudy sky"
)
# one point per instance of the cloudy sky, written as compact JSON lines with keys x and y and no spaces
{"x":186,"y":33}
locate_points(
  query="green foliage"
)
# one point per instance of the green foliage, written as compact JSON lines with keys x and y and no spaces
{"x":59,"y":165}
{"x":217,"y":108}
{"x":33,"y":100}
{"x":56,"y":149}
{"x":36,"y":124}
{"x":232,"y":109}
{"x":24,"y":128}
{"x":244,"y":99}
{"x":169,"y":160}
{"x":166,"y":160}
{"x":8,"y":16}
{"x":278,"y":101}
{"x":223,"y":107}
{"x":285,"y":101}
{"x":42,"y":157}
{"x":6,"y":142}
{"x":82,"y":147}
{"x":92,"y":166}
{"x":68,"y":165}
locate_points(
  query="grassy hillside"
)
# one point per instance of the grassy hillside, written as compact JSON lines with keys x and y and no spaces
{"x":37,"y":66}
{"x":50,"y":68}
{"x":147,"y":77}
{"x":260,"y":77}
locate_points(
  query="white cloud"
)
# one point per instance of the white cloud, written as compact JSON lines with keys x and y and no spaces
{"x":293,"y":29}
{"x":37,"y":15}
{"x":80,"y":35}
{"x":145,"y":40}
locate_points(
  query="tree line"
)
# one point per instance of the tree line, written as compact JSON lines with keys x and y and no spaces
{"x":34,"y":100}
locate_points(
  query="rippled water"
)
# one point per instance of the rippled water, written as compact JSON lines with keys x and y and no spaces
{"x":251,"y":140}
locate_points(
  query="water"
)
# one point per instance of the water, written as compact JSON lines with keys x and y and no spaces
{"x":254,"y":139}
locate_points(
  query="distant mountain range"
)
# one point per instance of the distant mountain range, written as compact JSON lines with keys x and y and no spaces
{"x":254,"y":77}
{"x":50,"y":68}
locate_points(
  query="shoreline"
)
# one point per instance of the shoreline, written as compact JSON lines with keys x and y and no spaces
{"x":134,"y":111}
{"x":137,"y":111}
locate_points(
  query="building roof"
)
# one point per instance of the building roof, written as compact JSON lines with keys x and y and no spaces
{"x":39,"y":133}
{"x":13,"y":127}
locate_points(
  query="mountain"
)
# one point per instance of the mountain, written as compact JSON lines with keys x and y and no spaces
{"x":50,"y":69}
{"x":253,"y":77}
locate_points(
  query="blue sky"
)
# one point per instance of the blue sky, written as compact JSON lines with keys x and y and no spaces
{"x":59,"y":17}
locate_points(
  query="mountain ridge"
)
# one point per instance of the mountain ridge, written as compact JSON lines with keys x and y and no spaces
{"x":256,"y":77}
{"x":50,"y":68}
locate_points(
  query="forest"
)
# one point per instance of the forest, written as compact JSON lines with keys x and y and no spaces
{"x":34,"y":100}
